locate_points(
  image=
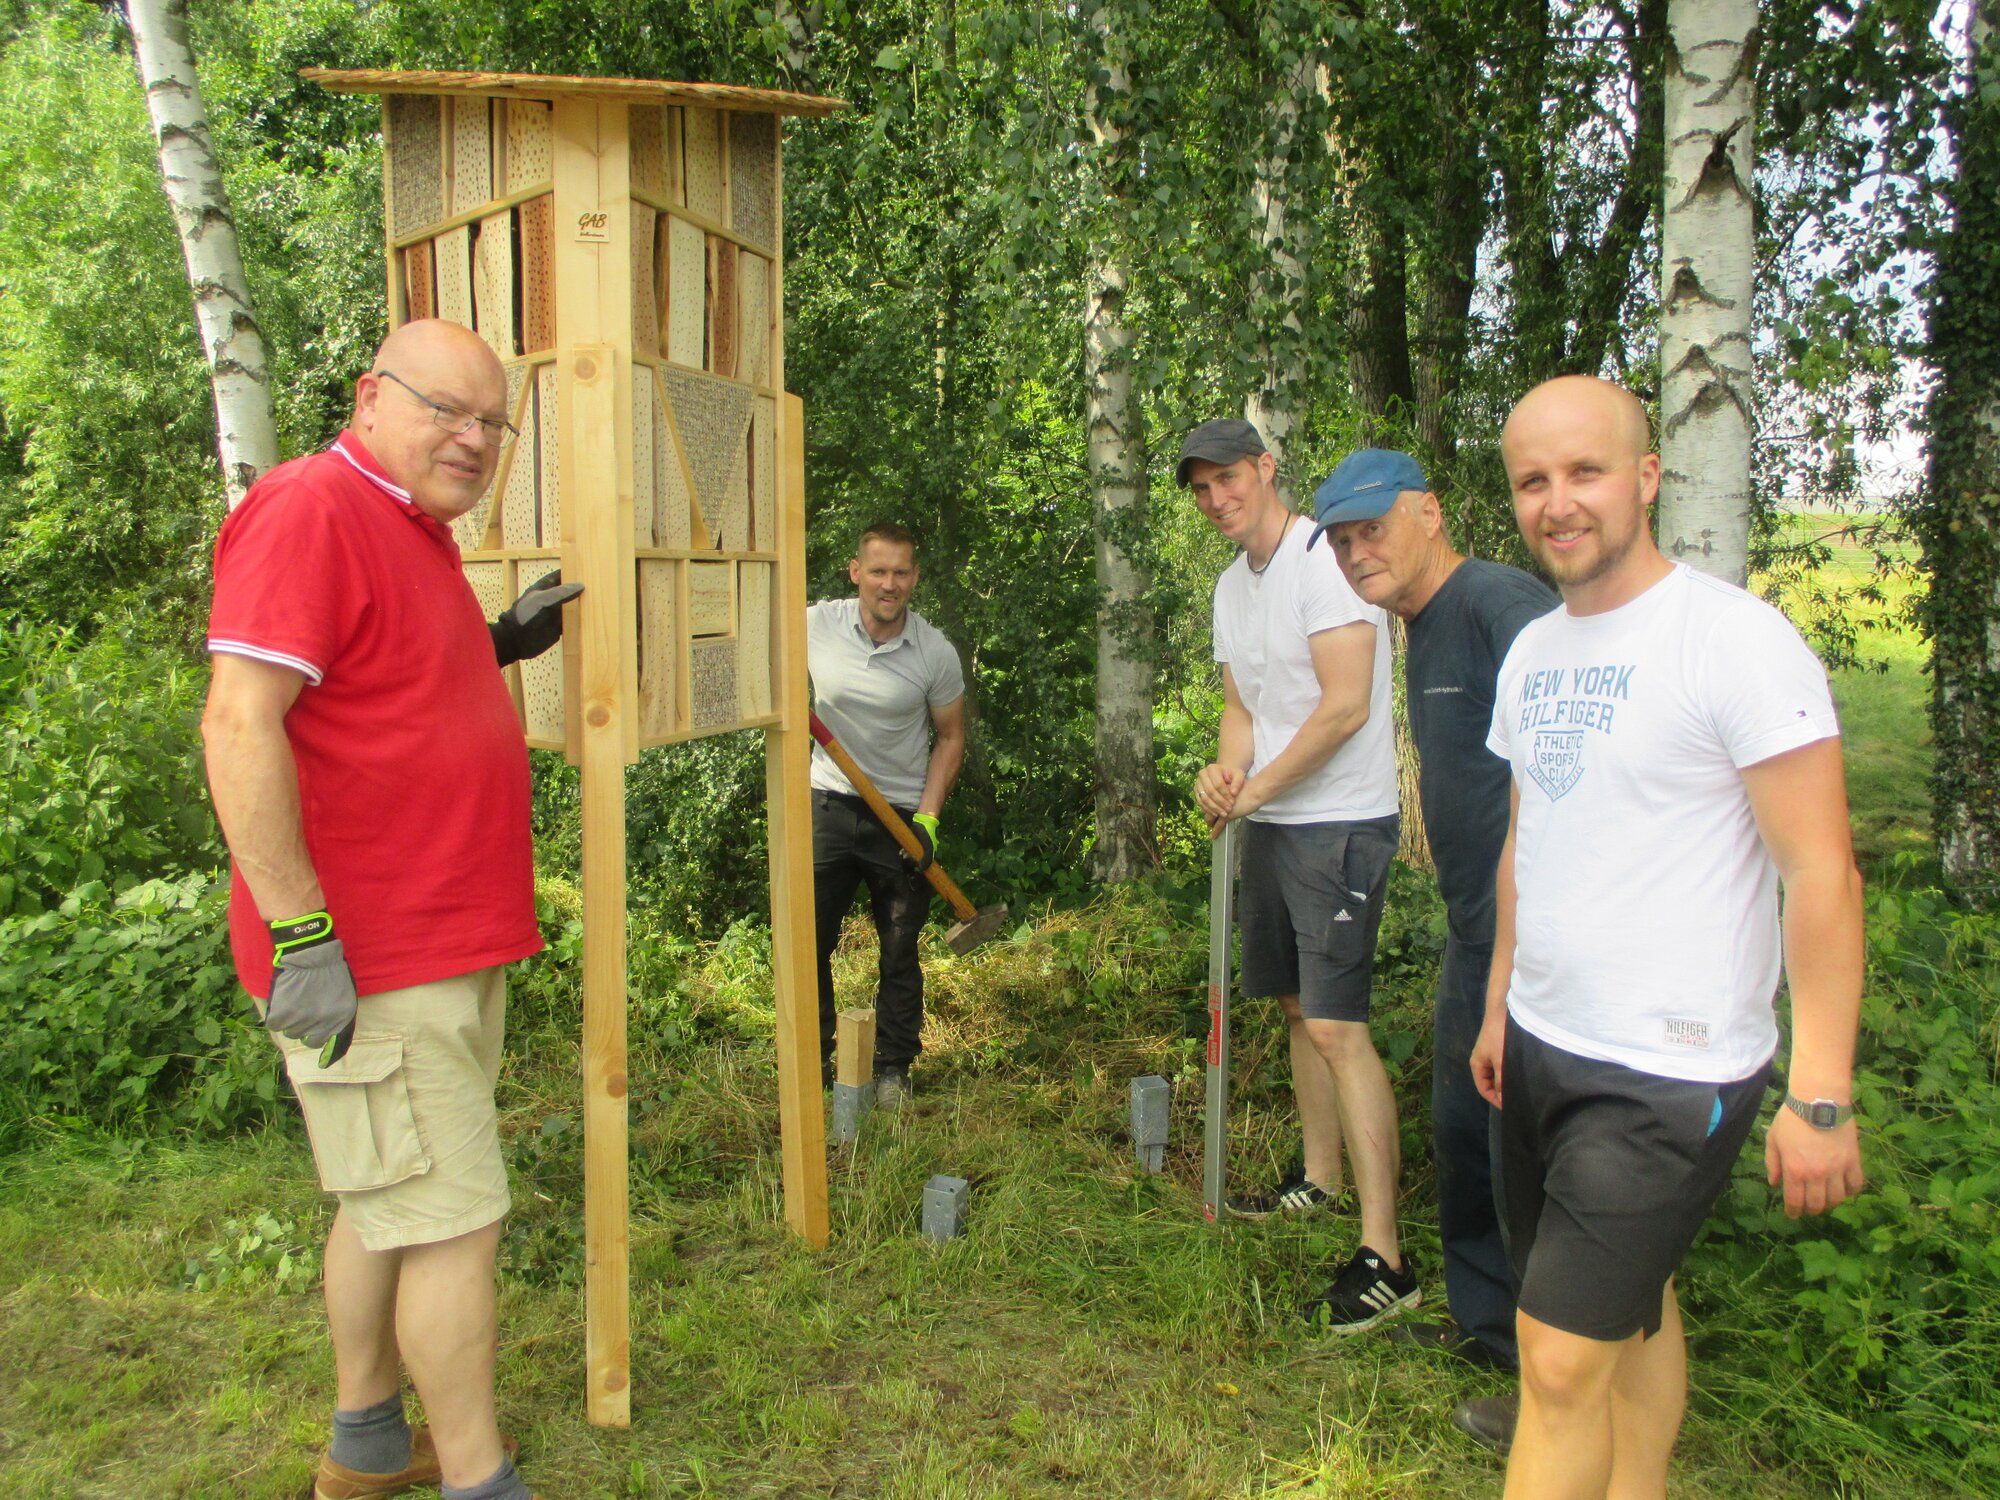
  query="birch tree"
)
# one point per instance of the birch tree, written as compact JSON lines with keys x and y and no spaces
{"x":1116,"y":452}
{"x":1958,"y":518}
{"x":1707,"y":415}
{"x":246,"y":433}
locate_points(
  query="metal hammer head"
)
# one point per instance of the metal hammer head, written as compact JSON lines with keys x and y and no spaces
{"x":984,"y":926}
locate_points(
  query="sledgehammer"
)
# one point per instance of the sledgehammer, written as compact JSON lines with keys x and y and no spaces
{"x":974,"y":927}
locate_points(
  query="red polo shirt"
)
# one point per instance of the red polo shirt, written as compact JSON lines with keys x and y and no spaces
{"x":413,"y":777}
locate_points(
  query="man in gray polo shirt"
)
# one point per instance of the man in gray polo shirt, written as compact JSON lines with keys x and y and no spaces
{"x":884,"y":680}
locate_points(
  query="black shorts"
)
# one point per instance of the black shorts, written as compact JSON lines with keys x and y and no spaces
{"x":1606,"y":1174}
{"x":1309,"y":909}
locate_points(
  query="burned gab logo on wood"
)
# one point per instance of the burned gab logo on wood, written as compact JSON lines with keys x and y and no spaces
{"x":1558,"y":762}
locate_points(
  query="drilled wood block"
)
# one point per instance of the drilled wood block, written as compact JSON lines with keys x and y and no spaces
{"x":712,"y":686}
{"x":453,"y":249}
{"x":415,"y":153}
{"x":701,"y":156}
{"x":530,"y":144}
{"x":493,"y":284}
{"x":649,"y":140}
{"x":712,"y":419}
{"x":549,"y":451}
{"x":538,"y":274}
{"x":645,"y":277}
{"x":686,"y":281}
{"x":659,"y":646}
{"x":419,"y":281}
{"x":676,"y":165}
{"x":673,"y":496}
{"x":516,"y":484}
{"x":753,"y":638}
{"x":645,"y":415}
{"x":542,"y":690}
{"x":723,"y":331}
{"x":764,"y":476}
{"x":708,"y":598}
{"x":488,"y":582}
{"x":753,"y":177}
{"x":471,"y":153}
{"x":753,"y":297}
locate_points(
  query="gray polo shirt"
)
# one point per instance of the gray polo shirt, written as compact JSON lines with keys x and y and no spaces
{"x":877,"y":699}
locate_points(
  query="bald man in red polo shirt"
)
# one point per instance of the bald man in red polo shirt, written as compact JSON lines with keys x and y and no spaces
{"x":370,"y":777}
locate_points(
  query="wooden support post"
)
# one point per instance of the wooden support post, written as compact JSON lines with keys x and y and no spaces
{"x":854,"y":1047}
{"x":605,"y":1189}
{"x":788,"y":800}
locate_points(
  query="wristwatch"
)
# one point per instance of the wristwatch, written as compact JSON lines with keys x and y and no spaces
{"x":1821,"y":1114}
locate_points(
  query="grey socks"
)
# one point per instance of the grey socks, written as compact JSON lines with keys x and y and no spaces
{"x":502,"y":1484}
{"x":374,"y":1440}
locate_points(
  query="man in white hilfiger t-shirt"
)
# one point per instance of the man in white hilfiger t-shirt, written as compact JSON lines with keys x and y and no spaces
{"x":1675,"y":759}
{"x":1307,"y":758}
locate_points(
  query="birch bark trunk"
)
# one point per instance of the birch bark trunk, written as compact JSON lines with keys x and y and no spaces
{"x":1277,"y":289}
{"x":1116,"y":449}
{"x":246,"y":432}
{"x":1958,"y":519}
{"x":1707,"y":401}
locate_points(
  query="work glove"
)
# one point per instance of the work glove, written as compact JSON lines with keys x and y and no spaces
{"x":533,"y":622}
{"x":312,"y":989}
{"x":924,"y":826}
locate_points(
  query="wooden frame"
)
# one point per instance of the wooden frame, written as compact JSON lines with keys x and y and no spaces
{"x":661,"y":464}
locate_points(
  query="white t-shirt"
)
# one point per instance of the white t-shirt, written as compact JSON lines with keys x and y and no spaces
{"x":1262,"y":624}
{"x":1646,"y":913}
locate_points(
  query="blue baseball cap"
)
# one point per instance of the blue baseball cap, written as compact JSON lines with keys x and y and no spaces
{"x":1363,"y":487}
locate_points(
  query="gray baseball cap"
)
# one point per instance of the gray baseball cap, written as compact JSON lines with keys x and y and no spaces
{"x":1222,"y":441}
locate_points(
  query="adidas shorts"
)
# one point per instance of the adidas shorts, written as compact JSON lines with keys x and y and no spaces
{"x":1309,"y":907}
{"x":1606,"y":1175}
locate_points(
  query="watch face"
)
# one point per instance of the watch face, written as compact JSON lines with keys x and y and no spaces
{"x":1825,"y":1114}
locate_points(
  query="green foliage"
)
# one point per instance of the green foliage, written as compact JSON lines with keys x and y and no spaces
{"x":1874,"y":1329}
{"x":123,"y":1012}
{"x":100,"y":765}
{"x":266,"y":1249}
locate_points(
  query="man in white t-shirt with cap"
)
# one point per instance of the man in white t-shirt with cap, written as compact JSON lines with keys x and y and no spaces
{"x":1307,"y":760}
{"x":1675,"y":759}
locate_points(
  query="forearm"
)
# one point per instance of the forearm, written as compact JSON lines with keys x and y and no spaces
{"x":1237,"y":745}
{"x":1824,"y":963}
{"x":255,"y":783}
{"x":1330,"y":726}
{"x":941,"y":775}
{"x":1501,"y":974}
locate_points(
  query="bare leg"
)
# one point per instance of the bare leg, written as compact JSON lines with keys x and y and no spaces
{"x":1562,"y":1442}
{"x":449,"y":1333}
{"x":1648,"y":1399}
{"x":1319,"y":1102}
{"x":360,"y":1290}
{"x":1368,"y":1120}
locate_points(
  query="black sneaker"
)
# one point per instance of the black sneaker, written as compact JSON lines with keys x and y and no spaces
{"x":892,"y":1088}
{"x":1364,"y":1293}
{"x":1293,"y":1196}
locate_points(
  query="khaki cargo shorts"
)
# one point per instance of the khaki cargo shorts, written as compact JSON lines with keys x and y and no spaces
{"x":403,"y":1128}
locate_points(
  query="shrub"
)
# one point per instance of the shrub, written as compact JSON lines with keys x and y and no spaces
{"x":100,"y":766}
{"x":123,"y":1011}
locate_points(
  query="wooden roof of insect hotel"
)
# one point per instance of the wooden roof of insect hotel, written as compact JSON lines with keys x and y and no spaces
{"x":554,"y":86}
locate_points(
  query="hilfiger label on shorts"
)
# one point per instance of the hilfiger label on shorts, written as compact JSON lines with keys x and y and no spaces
{"x":1679,"y":1032}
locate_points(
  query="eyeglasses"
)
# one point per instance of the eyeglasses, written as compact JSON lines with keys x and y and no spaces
{"x":456,"y":420}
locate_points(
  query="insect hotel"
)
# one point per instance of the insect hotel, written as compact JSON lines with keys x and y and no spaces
{"x":618,"y":243}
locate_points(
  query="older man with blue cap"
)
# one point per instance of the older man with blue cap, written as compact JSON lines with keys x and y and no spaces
{"x":1307,"y":760}
{"x":1387,"y":530}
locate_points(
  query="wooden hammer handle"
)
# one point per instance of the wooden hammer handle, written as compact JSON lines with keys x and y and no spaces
{"x":891,"y":820}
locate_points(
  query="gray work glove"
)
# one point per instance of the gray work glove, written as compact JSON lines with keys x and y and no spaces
{"x":312,"y":989}
{"x":533,"y":622}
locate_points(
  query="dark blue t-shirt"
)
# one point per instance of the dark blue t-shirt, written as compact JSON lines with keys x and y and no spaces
{"x":1455,"y":647}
